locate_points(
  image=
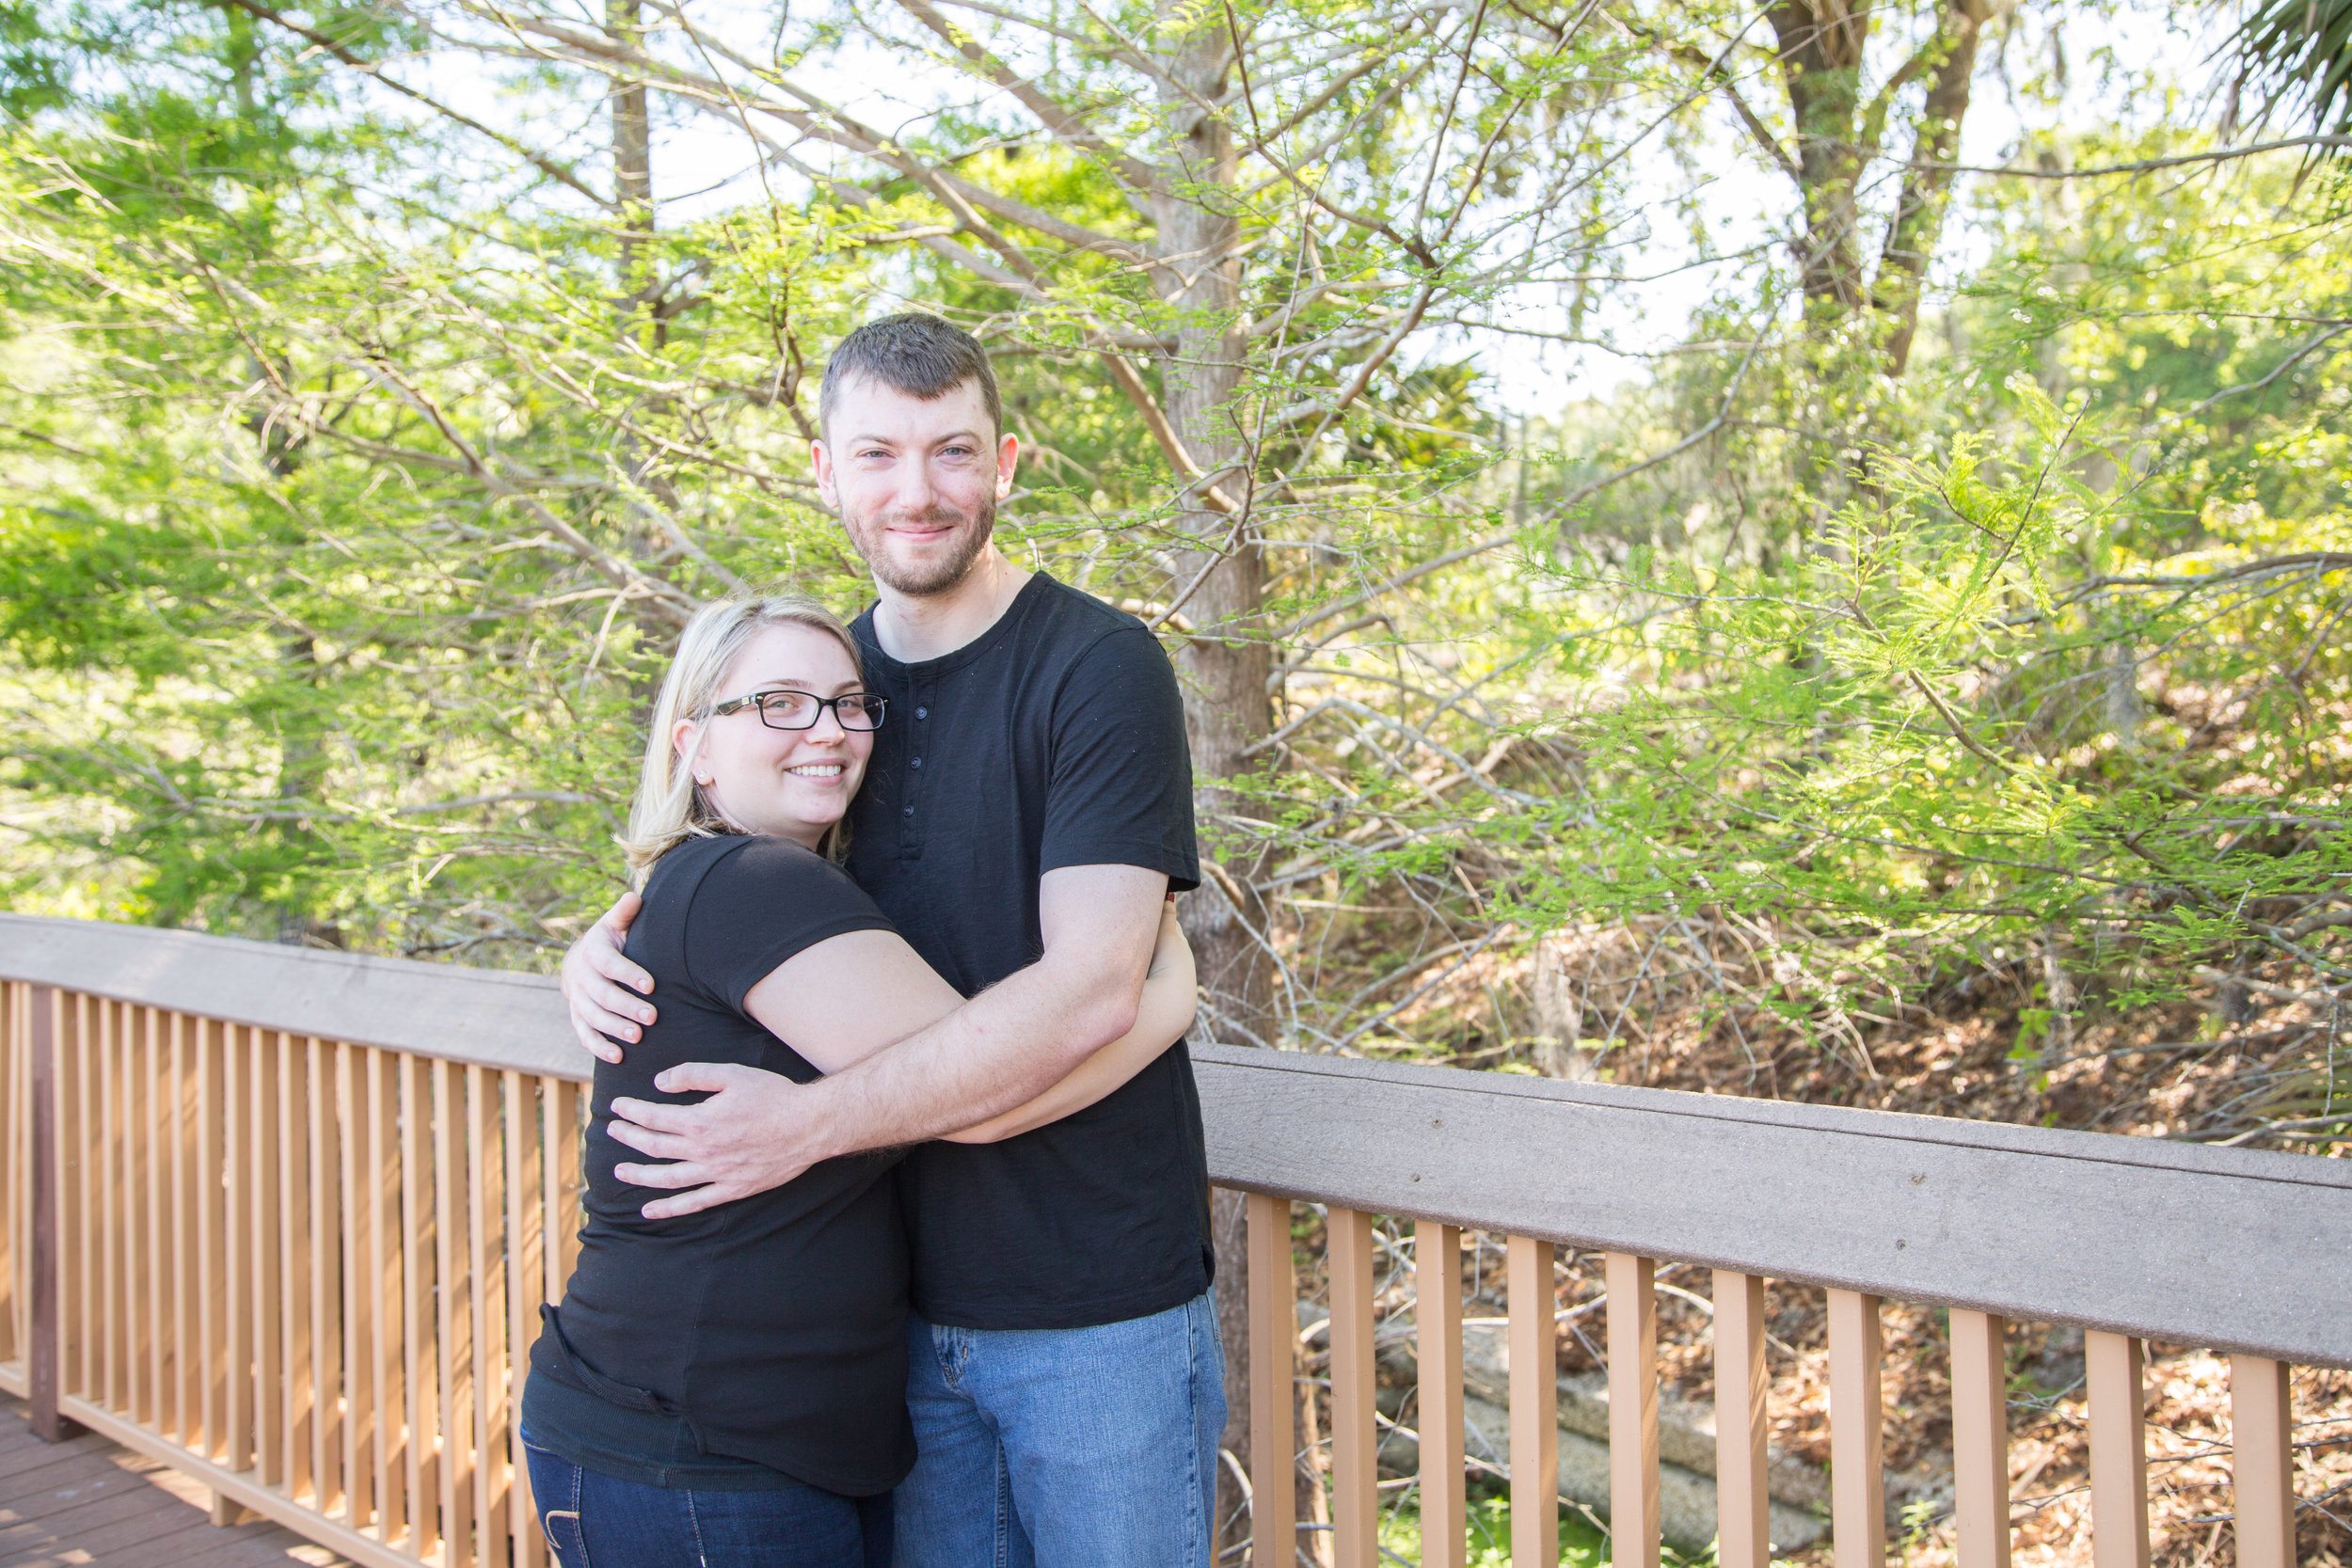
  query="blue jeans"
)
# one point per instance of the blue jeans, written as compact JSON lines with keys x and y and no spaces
{"x":1068,"y":1448}
{"x":600,"y":1521}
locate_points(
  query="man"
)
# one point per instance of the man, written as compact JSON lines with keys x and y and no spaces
{"x":1027,"y":806}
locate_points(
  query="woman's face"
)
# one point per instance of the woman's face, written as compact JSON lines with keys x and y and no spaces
{"x":791,"y":783}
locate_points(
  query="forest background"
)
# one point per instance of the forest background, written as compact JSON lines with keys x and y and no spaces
{"x":1797,"y":550}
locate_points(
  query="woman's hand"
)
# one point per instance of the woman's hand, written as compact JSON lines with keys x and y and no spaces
{"x":1169,"y":945}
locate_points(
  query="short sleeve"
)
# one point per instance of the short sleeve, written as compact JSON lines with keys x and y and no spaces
{"x":1120,"y":787}
{"x":763,"y":903}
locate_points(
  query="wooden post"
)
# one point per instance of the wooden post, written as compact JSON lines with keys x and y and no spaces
{"x":2119,"y":1450}
{"x":1532,"y":1340}
{"x":43,"y":1363}
{"x":1273,"y":1438}
{"x":1355,"y":1435}
{"x":1633,"y":1500}
{"x":2263,"y":1471}
{"x":1980,"y":1439}
{"x":1856,"y":1421}
{"x":1743,"y":1489}
{"x":1437,"y":1311}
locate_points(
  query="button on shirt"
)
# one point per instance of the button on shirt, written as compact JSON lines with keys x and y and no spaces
{"x":1056,"y":739}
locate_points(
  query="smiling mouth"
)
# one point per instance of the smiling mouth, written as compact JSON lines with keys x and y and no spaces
{"x":815,"y":771}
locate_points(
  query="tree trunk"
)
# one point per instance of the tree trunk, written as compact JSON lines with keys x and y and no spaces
{"x":1919,"y":220}
{"x":632,"y":158}
{"x":1225,"y":663}
{"x":1820,"y":61}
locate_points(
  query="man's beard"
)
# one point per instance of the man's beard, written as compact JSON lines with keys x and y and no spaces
{"x":941,"y":573}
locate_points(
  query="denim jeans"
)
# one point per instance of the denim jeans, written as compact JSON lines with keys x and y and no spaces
{"x":1068,"y":1448}
{"x":600,"y":1521}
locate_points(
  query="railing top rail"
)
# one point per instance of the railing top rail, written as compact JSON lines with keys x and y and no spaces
{"x":2234,"y":1249}
{"x":492,"y":1016}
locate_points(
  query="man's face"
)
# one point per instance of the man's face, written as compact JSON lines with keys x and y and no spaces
{"x":916,"y":481}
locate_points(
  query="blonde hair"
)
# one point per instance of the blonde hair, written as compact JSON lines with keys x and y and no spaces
{"x":670,"y":807}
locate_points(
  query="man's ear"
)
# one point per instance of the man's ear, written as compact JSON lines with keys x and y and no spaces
{"x":1007,"y":459}
{"x":820,"y":462}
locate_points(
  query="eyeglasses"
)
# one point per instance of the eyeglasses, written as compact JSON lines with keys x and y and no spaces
{"x":798,"y":710}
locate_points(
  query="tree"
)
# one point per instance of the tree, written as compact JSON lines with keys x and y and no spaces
{"x":2300,"y":51}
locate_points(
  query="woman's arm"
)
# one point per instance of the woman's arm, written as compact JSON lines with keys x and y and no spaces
{"x":1161,"y":1017}
{"x":840,"y":1001}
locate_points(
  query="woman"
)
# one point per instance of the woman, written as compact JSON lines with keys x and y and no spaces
{"x":728,"y":1389}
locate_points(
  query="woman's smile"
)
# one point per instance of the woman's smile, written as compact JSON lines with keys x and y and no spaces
{"x":795,"y":783}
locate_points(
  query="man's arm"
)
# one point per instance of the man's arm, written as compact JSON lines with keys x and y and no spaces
{"x":1000,"y":1049}
{"x":1164,"y":1015}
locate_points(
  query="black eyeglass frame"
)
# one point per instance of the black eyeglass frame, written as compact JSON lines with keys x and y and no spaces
{"x":759,"y":700}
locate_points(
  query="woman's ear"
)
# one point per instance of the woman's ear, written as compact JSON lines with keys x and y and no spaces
{"x":686,"y":746}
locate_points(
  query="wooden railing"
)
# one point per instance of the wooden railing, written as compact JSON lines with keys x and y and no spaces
{"x":283,"y":1220}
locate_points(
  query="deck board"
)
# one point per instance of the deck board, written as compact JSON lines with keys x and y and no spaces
{"x":90,"y":1504}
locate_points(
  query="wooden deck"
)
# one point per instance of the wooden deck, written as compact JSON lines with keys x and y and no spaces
{"x":89,"y":1504}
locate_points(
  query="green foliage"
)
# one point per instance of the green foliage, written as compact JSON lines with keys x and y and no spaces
{"x":2302,"y":49}
{"x":356,"y":469}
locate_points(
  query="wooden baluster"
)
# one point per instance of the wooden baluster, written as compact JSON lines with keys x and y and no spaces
{"x":187,"y":1279}
{"x":107,"y":1147}
{"x":1533,"y":1344}
{"x":325,"y":1274}
{"x":147,"y":1132}
{"x":1742,"y":1487}
{"x":1980,"y":1438}
{"x":2119,"y":1451}
{"x":524,"y":1270}
{"x":1632,"y":1411}
{"x":353,"y":1188}
{"x":212,"y":1268}
{"x":2262,"y":1469}
{"x":1857,"y":1446}
{"x":573,"y":1107}
{"x":1272,"y":1334}
{"x":78,"y":1184}
{"x":164,"y":1216}
{"x":239,"y":1270}
{"x":124,"y":1169}
{"x":15,"y":1144}
{"x":265,"y":1233}
{"x":295,"y":1386}
{"x":386,"y":1340}
{"x":1437,"y":1329}
{"x":453,"y":1319}
{"x":555,"y":1175}
{"x":1355,"y":1435}
{"x":486,"y":1172}
{"x":419,"y":1248}
{"x":45,"y":1371}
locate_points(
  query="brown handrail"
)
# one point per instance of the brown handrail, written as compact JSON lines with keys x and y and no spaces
{"x":284,"y":1219}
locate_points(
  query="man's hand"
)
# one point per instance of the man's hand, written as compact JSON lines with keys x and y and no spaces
{"x":1000,"y":1049}
{"x":595,"y":971}
{"x":755,"y":1133}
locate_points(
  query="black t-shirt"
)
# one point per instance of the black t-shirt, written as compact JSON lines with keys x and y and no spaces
{"x":1055,"y":738}
{"x":775,"y":1326}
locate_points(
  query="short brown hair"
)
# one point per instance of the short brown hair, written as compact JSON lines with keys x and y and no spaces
{"x":916,"y":354}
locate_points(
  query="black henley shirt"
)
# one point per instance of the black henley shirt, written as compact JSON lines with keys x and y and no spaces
{"x":1056,"y":739}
